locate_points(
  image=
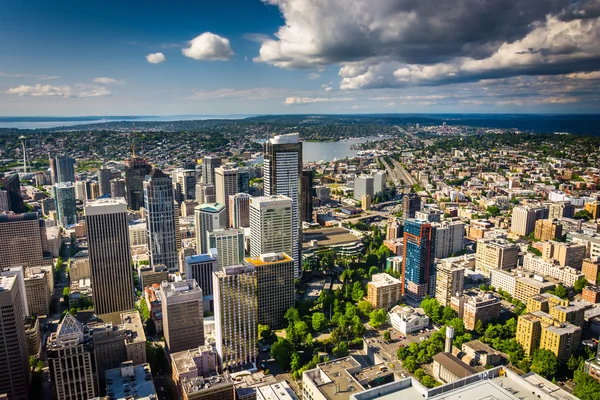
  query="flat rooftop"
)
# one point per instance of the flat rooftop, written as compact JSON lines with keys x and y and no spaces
{"x":338,"y":385}
{"x":328,"y":237}
{"x":130,"y":381}
{"x":535,"y":283}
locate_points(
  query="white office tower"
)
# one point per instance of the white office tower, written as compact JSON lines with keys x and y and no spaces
{"x":239,"y":210}
{"x":271,"y":225}
{"x":208,"y":217}
{"x":226,"y":184}
{"x":282,"y":171}
{"x":379,"y":183}
{"x":449,"y":237}
{"x":205,"y":193}
{"x":236,"y":315}
{"x":523,"y":220}
{"x":184,"y":184}
{"x":363,"y":185}
{"x":81,"y":191}
{"x":229,"y":244}
{"x":110,"y":255}
{"x":209,"y":164}
{"x":161,"y":220}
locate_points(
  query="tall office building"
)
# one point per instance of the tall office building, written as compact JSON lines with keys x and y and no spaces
{"x":209,"y":164}
{"x":411,"y":203}
{"x":183,"y":315}
{"x":184,"y":183}
{"x":236,"y":315}
{"x":70,"y":357}
{"x":4,"y":201}
{"x":205,"y":193}
{"x":208,"y":217}
{"x":160,"y":220}
{"x":110,"y":255}
{"x":282,"y":170}
{"x":136,"y":169}
{"x":22,"y":240}
{"x":495,"y":253}
{"x":64,"y":198}
{"x":117,"y":188}
{"x":229,"y":244}
{"x":200,"y":268}
{"x":271,"y":225}
{"x":12,"y":184}
{"x":81,"y":191}
{"x":14,"y":362}
{"x":418,"y":258}
{"x":275,"y":276}
{"x":104,"y":178}
{"x":243,"y":181}
{"x":379,"y":184}
{"x":65,"y":169}
{"x":226,"y":184}
{"x":93,"y":190}
{"x":306,"y":208}
{"x":239,"y":210}
{"x":523,"y":220}
{"x":52,"y":164}
{"x":363,"y":185}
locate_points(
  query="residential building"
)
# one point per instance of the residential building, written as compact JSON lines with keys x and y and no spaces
{"x":14,"y":360}
{"x":496,"y":254}
{"x":411,"y":203}
{"x":138,"y":233}
{"x":593,"y":208}
{"x":523,"y":220}
{"x":39,"y":284}
{"x":70,"y":358}
{"x":226,"y":184}
{"x":208,"y":218}
{"x":153,"y":298}
{"x":528,"y":287}
{"x":591,"y":294}
{"x":450,"y":281}
{"x":271,"y":225}
{"x":275,"y":282}
{"x":551,"y":268}
{"x":160,"y":220}
{"x":205,"y":193}
{"x":547,"y":229}
{"x":183,"y":315}
{"x":395,"y":230}
{"x":200,"y":268}
{"x":418,"y":258}
{"x":239,"y":210}
{"x":430,"y":214}
{"x":484,"y":307}
{"x":282,"y":170}
{"x":22,"y":239}
{"x":64,"y":197}
{"x":80,"y":266}
{"x":363,"y":185}
{"x":563,"y":209}
{"x":384,"y":291}
{"x":449,"y":237}
{"x":209,"y":164}
{"x":110,"y":255}
{"x":229,"y":246}
{"x":408,"y":319}
{"x":236,"y":315}
{"x":567,"y":254}
{"x":590,"y":268}
{"x":136,"y":169}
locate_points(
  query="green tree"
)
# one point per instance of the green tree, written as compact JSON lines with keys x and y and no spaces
{"x":319,"y":321}
{"x":340,"y":350}
{"x":373,"y":270}
{"x":357,"y":291}
{"x":560,"y":291}
{"x":281,"y":351}
{"x":580,"y":284}
{"x":574,"y":362}
{"x":387,"y":336}
{"x":583,"y":214}
{"x":458,"y":325}
{"x":479,"y":327}
{"x":265,"y":333}
{"x":544,"y":363}
{"x":410,"y":364}
{"x":292,"y":315}
{"x":377,"y":318}
{"x":429,"y":382}
{"x":448,"y":314}
{"x":364,"y":307}
{"x":493,"y":211}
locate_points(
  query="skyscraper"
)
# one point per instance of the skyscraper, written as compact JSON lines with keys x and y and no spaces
{"x":136,"y":169}
{"x":226,"y":184}
{"x":183,"y":315}
{"x":363,"y":185}
{"x":14,"y":363}
{"x":22,"y":240}
{"x":275,"y":277}
{"x":306,"y":195}
{"x":411,"y":203}
{"x":117,"y":188}
{"x":65,"y":169}
{"x":271,"y":225}
{"x":104,"y":178}
{"x":160,"y":220}
{"x":184,"y":183}
{"x":243,"y":181}
{"x":208,"y":217}
{"x":81,"y":191}
{"x":110,"y":255}
{"x":229,"y":244}
{"x":239,"y":210}
{"x":205,"y":193}
{"x":200,"y":268}
{"x":236,"y":318}
{"x":418,"y":258}
{"x":209,"y":163}
{"x":64,"y":198}
{"x":523,"y":220}
{"x":282,"y":170}
{"x":12,"y":184}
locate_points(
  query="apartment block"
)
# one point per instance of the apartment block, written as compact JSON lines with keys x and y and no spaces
{"x":523,"y":220}
{"x":484,"y":307}
{"x":505,"y":280}
{"x":22,"y":240}
{"x":496,"y":254}
{"x":183,"y":315}
{"x":450,"y":281}
{"x":591,"y":294}
{"x":551,"y":268}
{"x":528,"y":287}
{"x":590,"y":268}
{"x":449,"y":238}
{"x":547,"y":229}
{"x":384,"y":291}
{"x":39,"y":290}
{"x":566,"y":254}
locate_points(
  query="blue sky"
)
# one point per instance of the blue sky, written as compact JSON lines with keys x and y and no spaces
{"x":297,"y":56}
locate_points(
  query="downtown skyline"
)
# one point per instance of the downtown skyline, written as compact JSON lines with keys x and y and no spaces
{"x":299,"y":56}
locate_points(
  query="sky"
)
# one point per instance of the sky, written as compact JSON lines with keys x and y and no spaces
{"x":75,"y":58}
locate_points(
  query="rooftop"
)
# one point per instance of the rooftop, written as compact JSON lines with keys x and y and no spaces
{"x":454,"y":365}
{"x":276,"y":391}
{"x":333,"y":380}
{"x":200,"y":383}
{"x":268,"y":258}
{"x":210,"y":207}
{"x":535,"y":283}
{"x":383,"y":279}
{"x":129,"y":381}
{"x":199,"y":258}
{"x":328,"y":237}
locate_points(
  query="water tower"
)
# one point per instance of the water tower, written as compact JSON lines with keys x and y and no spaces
{"x":22,"y":139}
{"x":449,"y":337}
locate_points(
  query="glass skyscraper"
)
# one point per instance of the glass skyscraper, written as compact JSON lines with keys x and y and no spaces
{"x":418,"y":258}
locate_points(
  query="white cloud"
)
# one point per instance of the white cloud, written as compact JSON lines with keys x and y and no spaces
{"x":257,"y":37}
{"x":78,"y":90}
{"x":314,"y":76}
{"x":108,"y":81}
{"x":585,"y":75}
{"x":155,"y":58}
{"x":209,"y":47}
{"x":40,"y":77}
{"x":310,"y":100}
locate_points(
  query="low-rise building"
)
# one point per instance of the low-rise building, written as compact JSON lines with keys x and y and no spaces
{"x":448,"y":368}
{"x":407,"y":319}
{"x":590,"y":268}
{"x":130,"y":381}
{"x":192,"y":363}
{"x":528,"y":287}
{"x":591,"y":294}
{"x":213,"y":387}
{"x":505,"y":280}
{"x":484,"y":307}
{"x":482,"y":353}
{"x":152,"y":275}
{"x":80,"y":266}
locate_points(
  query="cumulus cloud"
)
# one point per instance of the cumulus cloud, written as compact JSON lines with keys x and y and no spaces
{"x":310,"y":100}
{"x":399,"y":43}
{"x":78,"y":90}
{"x":209,"y":47}
{"x":155,"y":58}
{"x":108,"y":81}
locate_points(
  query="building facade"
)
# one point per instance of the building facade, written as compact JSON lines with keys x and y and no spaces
{"x":229,"y":244}
{"x":183,"y":315}
{"x":208,"y":217}
{"x":418,"y":258}
{"x":271,"y":226}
